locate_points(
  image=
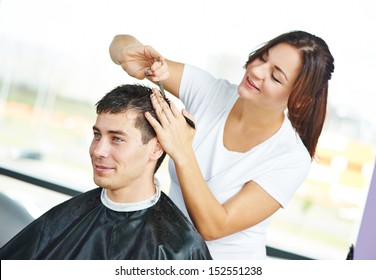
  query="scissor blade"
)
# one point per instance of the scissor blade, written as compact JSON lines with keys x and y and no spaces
{"x":160,"y":84}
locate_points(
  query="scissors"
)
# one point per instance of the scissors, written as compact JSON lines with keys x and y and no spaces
{"x":161,"y":89}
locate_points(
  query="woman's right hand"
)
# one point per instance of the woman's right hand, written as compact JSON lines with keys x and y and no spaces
{"x":137,"y":59}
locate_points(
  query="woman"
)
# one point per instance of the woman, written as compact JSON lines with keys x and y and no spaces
{"x":253,"y":143}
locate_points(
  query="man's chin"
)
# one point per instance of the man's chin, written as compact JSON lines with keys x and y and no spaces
{"x":102,"y":182}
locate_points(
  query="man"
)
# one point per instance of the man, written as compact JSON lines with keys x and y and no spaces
{"x":128,"y":217}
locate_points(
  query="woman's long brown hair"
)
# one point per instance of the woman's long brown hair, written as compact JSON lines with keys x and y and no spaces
{"x":308,"y":99}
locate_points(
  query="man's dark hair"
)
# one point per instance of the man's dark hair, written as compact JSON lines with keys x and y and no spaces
{"x":132,"y":97}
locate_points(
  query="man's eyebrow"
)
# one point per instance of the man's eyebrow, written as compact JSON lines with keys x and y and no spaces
{"x":120,"y":132}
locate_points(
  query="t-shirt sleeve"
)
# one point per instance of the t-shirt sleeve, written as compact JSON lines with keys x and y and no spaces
{"x":195,"y":83}
{"x":285,"y":177}
{"x":202,"y":94}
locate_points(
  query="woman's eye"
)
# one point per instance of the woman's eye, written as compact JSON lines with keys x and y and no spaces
{"x":97,"y":135}
{"x":275,"y":79}
{"x":262,"y":58}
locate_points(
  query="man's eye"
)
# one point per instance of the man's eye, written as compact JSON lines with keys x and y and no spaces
{"x":117,"y":139}
{"x":97,"y":135}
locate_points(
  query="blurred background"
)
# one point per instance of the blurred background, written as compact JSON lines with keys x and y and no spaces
{"x":55,"y":65}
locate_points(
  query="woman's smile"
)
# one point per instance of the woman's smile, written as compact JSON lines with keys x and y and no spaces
{"x":251,"y":84}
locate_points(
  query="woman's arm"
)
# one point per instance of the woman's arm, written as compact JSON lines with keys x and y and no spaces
{"x":212,"y":219}
{"x":135,"y":58}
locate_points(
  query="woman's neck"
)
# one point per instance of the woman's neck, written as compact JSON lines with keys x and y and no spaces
{"x":247,"y":127}
{"x":252,"y":117}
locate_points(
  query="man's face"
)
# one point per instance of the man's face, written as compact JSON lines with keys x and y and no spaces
{"x":118,"y":156}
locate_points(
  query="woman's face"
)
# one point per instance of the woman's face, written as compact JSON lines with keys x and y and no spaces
{"x":269,"y":79}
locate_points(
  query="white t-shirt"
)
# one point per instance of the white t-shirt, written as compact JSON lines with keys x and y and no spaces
{"x":279,"y":165}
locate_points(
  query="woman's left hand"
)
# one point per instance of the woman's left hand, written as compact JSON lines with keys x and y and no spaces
{"x":172,"y":130}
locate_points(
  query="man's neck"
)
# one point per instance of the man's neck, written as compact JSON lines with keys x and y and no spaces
{"x":132,"y":193}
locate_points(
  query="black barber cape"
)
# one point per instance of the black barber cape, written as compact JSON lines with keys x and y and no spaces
{"x":84,"y":228}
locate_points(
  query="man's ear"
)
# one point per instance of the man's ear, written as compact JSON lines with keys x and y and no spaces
{"x":157,"y":150}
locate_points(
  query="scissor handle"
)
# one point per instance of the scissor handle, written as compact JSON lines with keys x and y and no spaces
{"x":190,"y":122}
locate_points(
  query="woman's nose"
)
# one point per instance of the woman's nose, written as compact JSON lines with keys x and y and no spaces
{"x":259,"y":71}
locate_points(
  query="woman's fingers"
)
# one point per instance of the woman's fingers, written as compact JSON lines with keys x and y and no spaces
{"x":153,"y":122}
{"x":161,"y":73}
{"x":170,"y":126}
{"x":161,"y":107}
{"x":168,"y":114}
{"x":141,"y":61}
{"x":159,"y":69}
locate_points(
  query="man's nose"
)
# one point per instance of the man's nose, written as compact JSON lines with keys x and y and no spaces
{"x":101,"y":148}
